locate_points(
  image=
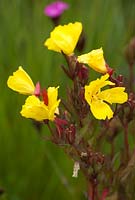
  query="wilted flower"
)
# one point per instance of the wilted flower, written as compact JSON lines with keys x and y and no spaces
{"x":64,"y":38}
{"x":42,"y":110}
{"x":21,"y":82}
{"x":55,"y":9}
{"x":98,"y":100}
{"x":95,"y":60}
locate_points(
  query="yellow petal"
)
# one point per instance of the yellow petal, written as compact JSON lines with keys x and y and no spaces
{"x":34,"y":109}
{"x":21,"y":82}
{"x":51,"y":45}
{"x":52,"y":93}
{"x":101,"y":110}
{"x":104,"y":82}
{"x":114,"y":95}
{"x":88,"y":94}
{"x":64,"y":38}
{"x":95,"y":60}
{"x":94,"y":87}
{"x":53,"y":103}
{"x":54,"y":110}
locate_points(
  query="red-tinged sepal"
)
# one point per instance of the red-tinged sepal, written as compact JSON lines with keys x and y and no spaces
{"x":70,"y":133}
{"x":60,"y":124}
{"x":109,"y":69}
{"x":37,"y":89}
{"x":45,"y":96}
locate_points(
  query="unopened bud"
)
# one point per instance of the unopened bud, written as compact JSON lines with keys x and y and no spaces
{"x":131,"y":100}
{"x":109,"y":70}
{"x":83,"y":73}
{"x":120,"y":78}
{"x":70,"y":133}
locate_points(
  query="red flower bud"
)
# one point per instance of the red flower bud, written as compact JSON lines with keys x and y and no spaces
{"x":70,"y":133}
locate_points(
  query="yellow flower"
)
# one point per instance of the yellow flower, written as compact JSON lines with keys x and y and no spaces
{"x":38,"y":110}
{"x":64,"y":38}
{"x":21,"y":82}
{"x":95,"y":60}
{"x":99,"y":100}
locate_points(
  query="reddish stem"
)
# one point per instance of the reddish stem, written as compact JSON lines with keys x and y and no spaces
{"x":93,"y":192}
{"x":126,"y":141}
{"x":92,"y":189}
{"x":131,"y":77}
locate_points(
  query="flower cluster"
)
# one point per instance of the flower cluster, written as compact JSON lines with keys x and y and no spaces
{"x":34,"y":108}
{"x":72,"y":119}
{"x":63,"y":39}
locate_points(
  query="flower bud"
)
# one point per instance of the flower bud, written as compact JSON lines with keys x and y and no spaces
{"x":70,"y":133}
{"x":83,"y":73}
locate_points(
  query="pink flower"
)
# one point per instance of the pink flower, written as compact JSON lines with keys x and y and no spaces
{"x":55,"y":9}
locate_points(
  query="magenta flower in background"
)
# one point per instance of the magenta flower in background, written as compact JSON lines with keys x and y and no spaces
{"x":55,"y":9}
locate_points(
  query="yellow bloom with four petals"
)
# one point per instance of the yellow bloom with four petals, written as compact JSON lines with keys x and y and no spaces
{"x":38,"y":110}
{"x":21,"y":82}
{"x":99,"y":100}
{"x":64,"y":38}
{"x":95,"y":60}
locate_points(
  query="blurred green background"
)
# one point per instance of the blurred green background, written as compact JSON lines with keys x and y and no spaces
{"x":31,"y":168}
